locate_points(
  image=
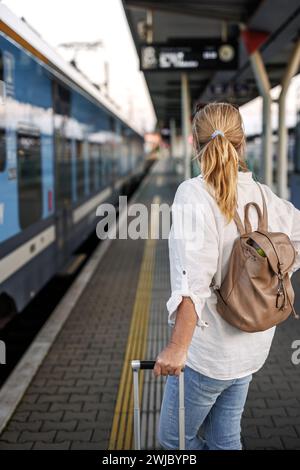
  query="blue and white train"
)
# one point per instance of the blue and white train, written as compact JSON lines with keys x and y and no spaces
{"x":63,"y":151}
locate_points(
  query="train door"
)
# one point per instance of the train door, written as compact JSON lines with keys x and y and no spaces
{"x":63,"y":171}
{"x":29,"y":176}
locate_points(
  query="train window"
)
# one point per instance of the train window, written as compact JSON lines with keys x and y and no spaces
{"x":96,"y":169}
{"x":79,"y":169}
{"x":2,"y":150}
{"x":2,"y":84}
{"x":101,"y":168}
{"x":92,"y":166}
{"x":107,"y":174}
{"x":1,"y":67}
{"x":63,"y":152}
{"x":112,"y":124}
{"x":61,"y":99}
{"x":29,"y":178}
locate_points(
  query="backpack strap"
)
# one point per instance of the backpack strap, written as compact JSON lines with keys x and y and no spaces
{"x":262,"y":216}
{"x":239,"y":223}
{"x":265,"y":211}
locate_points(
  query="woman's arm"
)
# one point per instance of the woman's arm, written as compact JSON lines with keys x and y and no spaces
{"x":193,"y":255}
{"x":172,"y":359}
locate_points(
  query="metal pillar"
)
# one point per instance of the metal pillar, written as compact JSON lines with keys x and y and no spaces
{"x":264,"y":87}
{"x":172,"y":137}
{"x":186,"y":124}
{"x":149,"y":23}
{"x":290,"y":71}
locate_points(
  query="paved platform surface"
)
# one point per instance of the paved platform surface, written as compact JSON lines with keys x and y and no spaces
{"x":81,"y":396}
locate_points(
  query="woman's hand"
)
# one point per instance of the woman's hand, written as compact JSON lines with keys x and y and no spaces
{"x":171,"y":360}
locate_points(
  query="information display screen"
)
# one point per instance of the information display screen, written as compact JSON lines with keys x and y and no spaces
{"x":210,"y":54}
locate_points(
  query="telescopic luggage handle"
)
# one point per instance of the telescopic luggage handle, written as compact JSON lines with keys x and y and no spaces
{"x":141,"y":365}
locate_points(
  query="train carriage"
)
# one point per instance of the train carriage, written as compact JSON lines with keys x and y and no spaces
{"x":64,"y":149}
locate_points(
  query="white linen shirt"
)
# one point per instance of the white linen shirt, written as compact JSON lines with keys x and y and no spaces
{"x":217,"y":349}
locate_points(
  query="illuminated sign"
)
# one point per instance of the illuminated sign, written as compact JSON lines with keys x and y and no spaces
{"x":210,"y":54}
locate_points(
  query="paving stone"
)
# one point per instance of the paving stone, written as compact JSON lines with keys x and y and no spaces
{"x":273,"y":443}
{"x":52,"y":445}
{"x":286,"y":421}
{"x":263,"y":421}
{"x":65,"y":407}
{"x":14,"y":425}
{"x":91,"y":383}
{"x":100,"y":435}
{"x":256,"y":402}
{"x":287,"y":402}
{"x":55,"y":398}
{"x":100,"y":424}
{"x":258,"y":412}
{"x":38,"y":416}
{"x":31,"y":407}
{"x":89,"y":445}
{"x":16,"y":446}
{"x":21,"y":416}
{"x":27,"y":436}
{"x":74,"y":389}
{"x":88,"y":415}
{"x":293,"y":411}
{"x":11,"y":436}
{"x":84,"y":398}
{"x":81,"y":436}
{"x":290,"y":443}
{"x":287,"y":431}
{"x":30,"y":398}
{"x":59,"y":425}
{"x":102,"y":407}
{"x":62,"y":382}
{"x":45,"y":389}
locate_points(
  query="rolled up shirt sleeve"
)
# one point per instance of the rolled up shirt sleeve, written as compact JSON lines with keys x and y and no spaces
{"x":193,"y":250}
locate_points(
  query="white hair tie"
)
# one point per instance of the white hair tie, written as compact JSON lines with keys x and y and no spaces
{"x":215,"y":133}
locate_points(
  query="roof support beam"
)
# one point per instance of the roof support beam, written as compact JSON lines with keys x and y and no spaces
{"x":264,"y":87}
{"x":291,"y":70}
{"x":186,"y":123}
{"x":209,"y":13}
{"x":253,"y":40}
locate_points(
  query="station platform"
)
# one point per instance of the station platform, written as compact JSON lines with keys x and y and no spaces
{"x":81,"y":395}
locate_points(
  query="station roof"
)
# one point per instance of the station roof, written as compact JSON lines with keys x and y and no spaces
{"x":195,"y":20}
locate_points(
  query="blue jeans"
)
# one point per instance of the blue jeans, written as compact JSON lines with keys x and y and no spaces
{"x":216,"y":404}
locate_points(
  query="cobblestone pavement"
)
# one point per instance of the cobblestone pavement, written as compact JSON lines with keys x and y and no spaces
{"x":272,"y":413}
{"x":71,"y":400}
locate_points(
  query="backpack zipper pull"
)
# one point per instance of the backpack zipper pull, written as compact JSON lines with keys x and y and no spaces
{"x":280,"y":292}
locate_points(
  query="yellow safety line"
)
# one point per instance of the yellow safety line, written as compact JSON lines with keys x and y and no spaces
{"x":121,"y":436}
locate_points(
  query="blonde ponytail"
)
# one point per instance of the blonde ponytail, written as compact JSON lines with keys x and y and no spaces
{"x":220,"y":154}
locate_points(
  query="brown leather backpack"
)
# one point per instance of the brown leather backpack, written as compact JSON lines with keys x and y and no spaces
{"x":257,"y":293}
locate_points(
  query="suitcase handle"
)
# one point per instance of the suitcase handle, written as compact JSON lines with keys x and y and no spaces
{"x":140,"y":365}
{"x":136,"y":364}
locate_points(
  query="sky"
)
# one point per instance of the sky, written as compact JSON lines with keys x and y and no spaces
{"x":62,"y":21}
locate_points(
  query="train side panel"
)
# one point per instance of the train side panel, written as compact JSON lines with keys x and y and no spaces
{"x":61,"y":155}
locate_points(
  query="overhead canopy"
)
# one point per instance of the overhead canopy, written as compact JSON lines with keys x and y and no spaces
{"x":195,"y":20}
